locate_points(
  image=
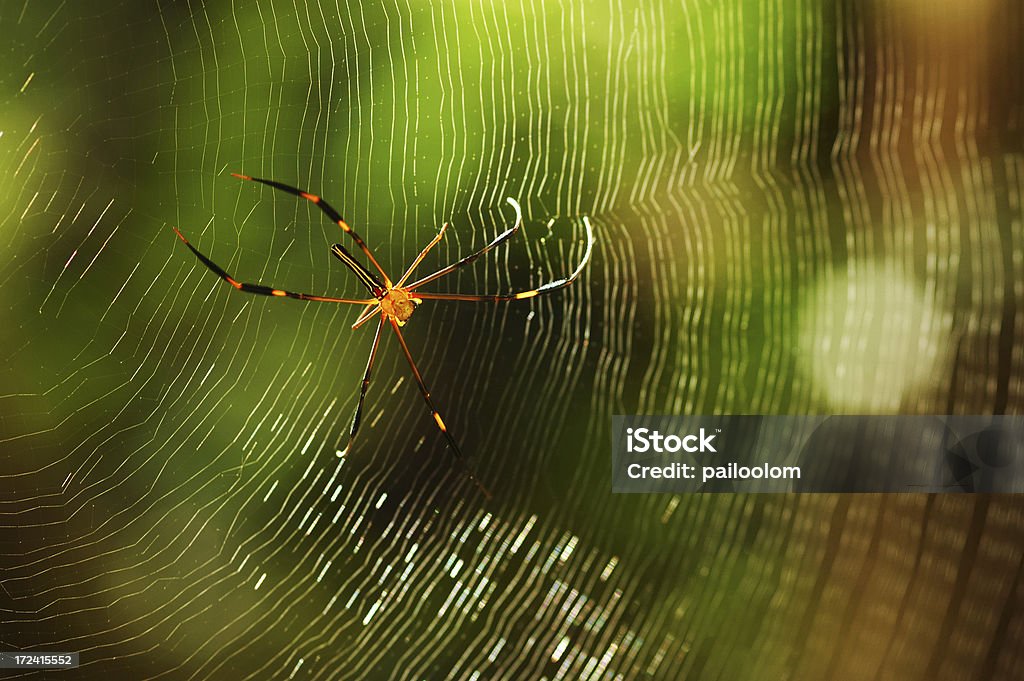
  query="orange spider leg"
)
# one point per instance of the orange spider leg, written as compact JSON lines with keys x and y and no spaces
{"x":423,"y":253}
{"x":520,"y":295}
{"x":259,"y":289}
{"x":504,"y":236}
{"x":433,"y":411}
{"x":328,"y":210}
{"x":358,"y":416}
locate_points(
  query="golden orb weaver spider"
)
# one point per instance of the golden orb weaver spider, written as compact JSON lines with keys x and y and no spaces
{"x":395,"y":302}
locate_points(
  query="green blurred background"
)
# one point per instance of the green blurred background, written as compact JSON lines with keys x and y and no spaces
{"x":799,"y":207}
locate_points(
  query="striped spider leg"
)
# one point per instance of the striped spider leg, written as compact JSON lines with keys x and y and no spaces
{"x":395,"y":302}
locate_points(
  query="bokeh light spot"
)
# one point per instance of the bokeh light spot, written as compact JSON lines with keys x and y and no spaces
{"x":868,"y":337}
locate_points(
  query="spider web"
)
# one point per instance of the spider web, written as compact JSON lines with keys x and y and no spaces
{"x":173,"y":504}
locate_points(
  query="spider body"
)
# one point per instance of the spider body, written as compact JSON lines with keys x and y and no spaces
{"x":398,"y":304}
{"x":394,"y":303}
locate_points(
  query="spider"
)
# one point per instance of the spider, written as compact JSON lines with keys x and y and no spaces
{"x":394,"y":302}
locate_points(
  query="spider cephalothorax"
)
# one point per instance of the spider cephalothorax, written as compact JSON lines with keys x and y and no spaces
{"x":398,"y":304}
{"x":394,"y":303}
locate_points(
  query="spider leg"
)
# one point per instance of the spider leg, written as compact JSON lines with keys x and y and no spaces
{"x":358,"y":416}
{"x":366,"y":316}
{"x":423,"y":253}
{"x":546,"y":288}
{"x":364,"y":275}
{"x":328,"y":210}
{"x":501,"y":238}
{"x":259,"y":289}
{"x":433,"y":410}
